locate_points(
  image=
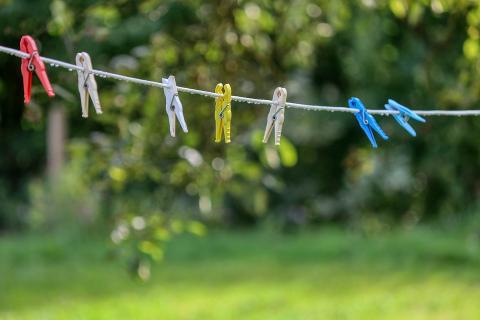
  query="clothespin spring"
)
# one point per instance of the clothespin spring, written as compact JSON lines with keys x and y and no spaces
{"x":274,"y":117}
{"x":172,"y":106}
{"x":85,"y":85}
{"x":30,"y":65}
{"x":364,"y":116}
{"x":222,"y":112}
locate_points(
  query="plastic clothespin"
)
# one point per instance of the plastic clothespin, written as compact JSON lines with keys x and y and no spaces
{"x":404,"y":115}
{"x":87,"y":86}
{"x":173,"y":105}
{"x":276,"y":115}
{"x":30,"y":64}
{"x":367,"y":121}
{"x":223,"y":112}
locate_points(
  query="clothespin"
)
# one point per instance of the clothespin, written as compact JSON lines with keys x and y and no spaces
{"x":87,"y":86}
{"x":30,"y":64}
{"x":173,"y":105}
{"x":404,"y":115}
{"x":367,"y":121}
{"x":223,"y":112}
{"x":276,"y":115}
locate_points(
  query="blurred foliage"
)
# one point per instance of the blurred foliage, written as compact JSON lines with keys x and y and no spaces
{"x":423,"y":53}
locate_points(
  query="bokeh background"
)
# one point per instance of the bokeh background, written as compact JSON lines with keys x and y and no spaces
{"x":109,"y":217}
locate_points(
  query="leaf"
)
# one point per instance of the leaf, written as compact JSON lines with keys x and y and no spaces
{"x":288,"y":153}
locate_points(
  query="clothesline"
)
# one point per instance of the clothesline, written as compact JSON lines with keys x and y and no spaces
{"x":104,"y":74}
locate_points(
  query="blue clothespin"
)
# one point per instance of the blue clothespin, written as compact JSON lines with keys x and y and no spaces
{"x":367,"y":121}
{"x":404,"y":115}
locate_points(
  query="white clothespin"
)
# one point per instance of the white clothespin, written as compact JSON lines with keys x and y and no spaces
{"x":173,"y":105}
{"x":276,"y":115}
{"x":87,"y":86}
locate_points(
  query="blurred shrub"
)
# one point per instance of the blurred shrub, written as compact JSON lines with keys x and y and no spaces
{"x":68,"y":199}
{"x":423,"y":53}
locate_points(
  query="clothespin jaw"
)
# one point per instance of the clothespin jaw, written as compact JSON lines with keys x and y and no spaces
{"x":173,"y":105}
{"x":404,"y":115}
{"x":87,"y":86}
{"x":367,"y":121}
{"x":276,"y":116}
{"x":223,"y":112}
{"x":30,"y":64}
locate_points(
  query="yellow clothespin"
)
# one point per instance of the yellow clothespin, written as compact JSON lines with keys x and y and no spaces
{"x":223,"y":112}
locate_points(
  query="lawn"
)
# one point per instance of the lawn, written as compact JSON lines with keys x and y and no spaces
{"x":323,"y":274}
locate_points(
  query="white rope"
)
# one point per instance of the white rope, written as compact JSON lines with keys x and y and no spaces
{"x":104,"y":74}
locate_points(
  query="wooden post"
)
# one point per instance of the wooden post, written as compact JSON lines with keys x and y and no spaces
{"x":56,"y":136}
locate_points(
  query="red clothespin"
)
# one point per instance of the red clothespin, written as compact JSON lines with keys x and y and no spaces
{"x":30,"y":64}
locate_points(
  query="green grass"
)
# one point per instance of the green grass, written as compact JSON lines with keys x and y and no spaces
{"x":326,"y":274}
